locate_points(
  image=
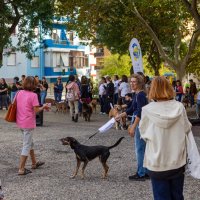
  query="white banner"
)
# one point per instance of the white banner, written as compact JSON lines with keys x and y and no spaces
{"x":107,"y":126}
{"x":193,"y":159}
{"x":136,"y":55}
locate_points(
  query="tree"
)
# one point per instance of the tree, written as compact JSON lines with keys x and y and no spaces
{"x":116,"y":64}
{"x":179,"y":61}
{"x":173,"y":26}
{"x":154,"y":58}
{"x":194,"y":63}
{"x":121,"y":65}
{"x":26,"y":15}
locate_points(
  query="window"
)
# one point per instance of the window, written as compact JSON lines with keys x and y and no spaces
{"x":35,"y":62}
{"x":86,"y":61}
{"x":71,"y":61}
{"x":76,"y":59}
{"x":55,"y":36}
{"x":71,"y":36}
{"x":48,"y":59}
{"x":100,"y":50}
{"x":56,"y":59}
{"x":60,"y":59}
{"x":11,"y":59}
{"x":65,"y":59}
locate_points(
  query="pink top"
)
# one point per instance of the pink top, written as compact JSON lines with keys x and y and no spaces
{"x":26,"y":101}
{"x":75,"y":87}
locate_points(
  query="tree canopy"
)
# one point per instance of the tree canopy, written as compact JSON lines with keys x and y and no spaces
{"x":166,"y":28}
{"x":116,"y":64}
{"x":26,"y":15}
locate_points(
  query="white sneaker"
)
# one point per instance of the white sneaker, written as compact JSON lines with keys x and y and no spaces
{"x":104,"y":113}
{"x":100,"y":113}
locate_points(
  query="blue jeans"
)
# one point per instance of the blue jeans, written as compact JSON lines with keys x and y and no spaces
{"x":43,"y":95}
{"x":57,"y":96}
{"x":103,"y":103}
{"x":12,"y":96}
{"x":198,"y":108}
{"x":179,"y":97}
{"x":139,"y":150}
{"x":3,"y":101}
{"x":168,"y":189}
{"x":115,"y":100}
{"x":191,"y":100}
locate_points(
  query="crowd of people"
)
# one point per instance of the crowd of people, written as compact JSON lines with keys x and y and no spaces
{"x":109,"y":91}
{"x":158,"y":123}
{"x":8,"y":91}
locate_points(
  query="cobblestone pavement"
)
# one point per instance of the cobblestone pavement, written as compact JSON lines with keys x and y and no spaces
{"x":52,"y":181}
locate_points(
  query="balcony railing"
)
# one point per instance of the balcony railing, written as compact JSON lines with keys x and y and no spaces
{"x":100,"y":54}
{"x":98,"y":67}
{"x":64,"y":42}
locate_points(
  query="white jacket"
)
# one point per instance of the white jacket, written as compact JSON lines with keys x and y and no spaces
{"x":164,"y":126}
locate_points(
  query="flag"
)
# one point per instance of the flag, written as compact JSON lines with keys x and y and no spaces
{"x":136,"y":55}
{"x":107,"y":126}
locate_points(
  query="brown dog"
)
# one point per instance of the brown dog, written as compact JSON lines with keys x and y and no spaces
{"x":113,"y":113}
{"x":93,"y":103}
{"x":51,"y":101}
{"x":87,"y":153}
{"x":61,"y":107}
{"x":86,"y":111}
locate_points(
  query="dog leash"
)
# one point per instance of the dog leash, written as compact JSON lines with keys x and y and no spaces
{"x":93,"y":135}
{"x":90,"y":137}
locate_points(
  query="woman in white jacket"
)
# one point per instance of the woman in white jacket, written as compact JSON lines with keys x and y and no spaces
{"x":164,"y":125}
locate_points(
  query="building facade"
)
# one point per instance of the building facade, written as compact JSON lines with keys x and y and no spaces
{"x":53,"y":56}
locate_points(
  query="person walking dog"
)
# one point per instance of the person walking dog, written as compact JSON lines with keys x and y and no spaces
{"x":139,"y":100}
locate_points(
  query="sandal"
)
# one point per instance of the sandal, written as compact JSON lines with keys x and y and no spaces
{"x":37,"y":165}
{"x":25,"y":172}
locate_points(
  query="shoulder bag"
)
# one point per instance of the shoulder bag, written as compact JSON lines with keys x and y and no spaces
{"x":12,"y":111}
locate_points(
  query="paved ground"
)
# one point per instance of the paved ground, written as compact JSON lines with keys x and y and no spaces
{"x":52,"y":181}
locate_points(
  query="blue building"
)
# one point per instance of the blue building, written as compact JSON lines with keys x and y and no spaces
{"x":53,"y":56}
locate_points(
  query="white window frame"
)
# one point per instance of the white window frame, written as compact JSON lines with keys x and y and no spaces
{"x":65,"y":59}
{"x":35,"y":62}
{"x":11,"y":59}
{"x":48,"y":59}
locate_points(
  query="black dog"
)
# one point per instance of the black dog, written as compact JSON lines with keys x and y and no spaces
{"x":87,"y":111}
{"x":87,"y":153}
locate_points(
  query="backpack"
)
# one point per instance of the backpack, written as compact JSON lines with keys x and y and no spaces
{"x":71,"y":95}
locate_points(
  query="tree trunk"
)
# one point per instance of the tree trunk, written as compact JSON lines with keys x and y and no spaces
{"x":180,"y":71}
{"x":1,"y":59}
{"x":131,"y":70}
{"x":156,"y":70}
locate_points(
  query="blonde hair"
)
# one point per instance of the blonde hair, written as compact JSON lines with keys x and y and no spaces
{"x":161,"y":89}
{"x":140,"y":81}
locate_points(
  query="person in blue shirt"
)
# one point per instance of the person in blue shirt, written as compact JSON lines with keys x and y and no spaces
{"x":139,"y":100}
{"x":58,"y":88}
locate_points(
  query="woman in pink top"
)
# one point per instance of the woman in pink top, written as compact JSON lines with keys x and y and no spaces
{"x":27,"y":107}
{"x":72,"y":96}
